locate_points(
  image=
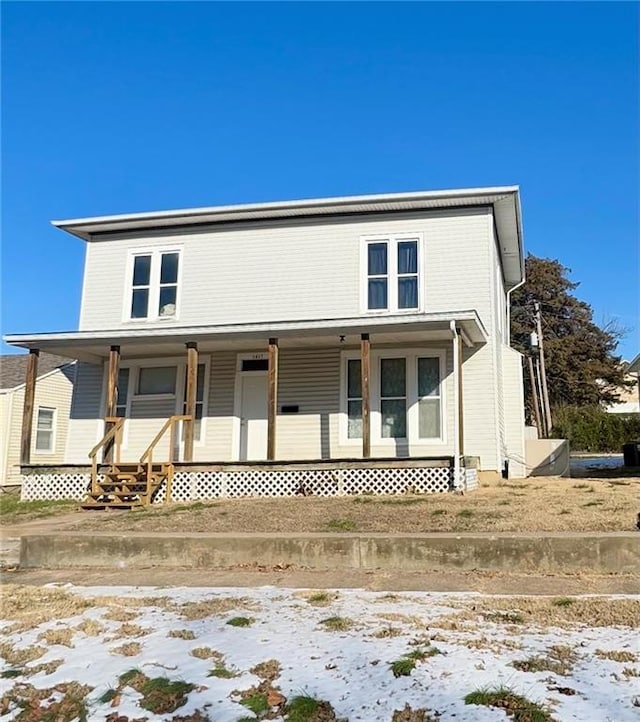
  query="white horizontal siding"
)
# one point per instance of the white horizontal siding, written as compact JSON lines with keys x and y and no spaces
{"x":85,"y":422}
{"x":53,"y":391}
{"x":309,"y":379}
{"x":292,"y":269}
{"x":479,"y":406}
{"x":514,"y":411}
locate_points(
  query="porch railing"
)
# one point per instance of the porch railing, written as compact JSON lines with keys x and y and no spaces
{"x":147,"y":457}
{"x":112,"y":436}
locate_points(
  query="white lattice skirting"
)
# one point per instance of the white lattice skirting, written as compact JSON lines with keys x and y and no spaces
{"x":194,"y":485}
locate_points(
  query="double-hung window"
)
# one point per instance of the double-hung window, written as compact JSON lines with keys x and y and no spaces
{"x":429,"y":398}
{"x":45,"y":427}
{"x":392,"y":273}
{"x":154,"y":285}
{"x":393,"y":398}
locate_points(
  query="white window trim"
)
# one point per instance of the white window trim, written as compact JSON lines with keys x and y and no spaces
{"x":392,"y":240}
{"x":154,"y":285}
{"x":180,"y":363}
{"x":411,"y":355}
{"x":54,"y":424}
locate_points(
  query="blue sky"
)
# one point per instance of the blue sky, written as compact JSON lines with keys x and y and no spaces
{"x":124,"y":107}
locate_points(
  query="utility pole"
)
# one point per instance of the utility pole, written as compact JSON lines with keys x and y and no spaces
{"x":543,"y":373}
{"x":536,"y":400}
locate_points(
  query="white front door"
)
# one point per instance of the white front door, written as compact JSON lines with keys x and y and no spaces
{"x":253,"y":417}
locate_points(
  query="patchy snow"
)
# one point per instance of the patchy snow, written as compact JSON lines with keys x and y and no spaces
{"x":350,"y":669}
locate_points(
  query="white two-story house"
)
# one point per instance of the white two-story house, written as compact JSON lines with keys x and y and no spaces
{"x":328,"y":345}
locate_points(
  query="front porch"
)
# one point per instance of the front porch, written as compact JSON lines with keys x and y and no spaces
{"x":345,"y":407}
{"x":197,"y":482}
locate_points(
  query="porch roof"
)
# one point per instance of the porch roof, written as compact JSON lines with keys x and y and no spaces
{"x":93,"y":346}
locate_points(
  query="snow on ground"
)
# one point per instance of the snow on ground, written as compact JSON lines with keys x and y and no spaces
{"x":350,"y":669}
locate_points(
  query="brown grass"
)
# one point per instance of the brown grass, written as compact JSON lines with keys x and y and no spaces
{"x":29,"y":607}
{"x":181,"y":634}
{"x":46,"y":667}
{"x":65,"y":701}
{"x":542,"y":612}
{"x":268,"y":670}
{"x":617,"y":655}
{"x":62,"y":637}
{"x":16,"y":657}
{"x":129,"y":630}
{"x":128,"y":649}
{"x":213,"y":607}
{"x":498,"y":506}
{"x":119,"y":614}
{"x":90,"y":627}
{"x":206,"y":653}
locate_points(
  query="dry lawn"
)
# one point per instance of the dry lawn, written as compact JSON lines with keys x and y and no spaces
{"x":543,"y":612}
{"x":528,"y":505}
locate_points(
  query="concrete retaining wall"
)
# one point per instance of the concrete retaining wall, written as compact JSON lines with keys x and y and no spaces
{"x":543,"y":553}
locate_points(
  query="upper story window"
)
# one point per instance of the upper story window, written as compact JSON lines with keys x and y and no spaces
{"x":154,"y":285}
{"x":392,"y":269}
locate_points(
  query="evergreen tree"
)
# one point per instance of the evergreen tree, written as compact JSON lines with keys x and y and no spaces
{"x":582,"y":368}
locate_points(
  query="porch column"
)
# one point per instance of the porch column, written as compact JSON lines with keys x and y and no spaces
{"x":365,"y":367}
{"x":190,"y":406}
{"x":460,"y":398}
{"x":27,"y":408}
{"x":456,"y":404}
{"x":272,"y":399}
{"x":112,"y":398}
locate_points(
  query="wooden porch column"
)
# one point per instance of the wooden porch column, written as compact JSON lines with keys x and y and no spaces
{"x":460,"y":399}
{"x":272,"y":399}
{"x":365,"y":367}
{"x":112,"y":398}
{"x":27,"y":409}
{"x":190,"y":406}
{"x":112,"y":380}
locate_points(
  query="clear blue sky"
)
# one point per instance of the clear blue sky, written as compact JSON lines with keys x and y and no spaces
{"x":123,"y":107}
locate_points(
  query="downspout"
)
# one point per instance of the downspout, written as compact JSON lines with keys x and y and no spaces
{"x":456,"y":421}
{"x":509,"y":292}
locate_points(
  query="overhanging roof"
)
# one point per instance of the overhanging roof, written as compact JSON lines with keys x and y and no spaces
{"x":634,"y":366}
{"x":505,"y":201}
{"x":94,"y":345}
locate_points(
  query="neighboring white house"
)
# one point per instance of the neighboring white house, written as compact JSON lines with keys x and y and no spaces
{"x":382,"y":323}
{"x":50,"y":413}
{"x":629,"y":398}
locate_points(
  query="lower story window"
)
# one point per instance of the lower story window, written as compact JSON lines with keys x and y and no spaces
{"x":354,"y":399}
{"x":429,"y":398}
{"x":393,"y":398}
{"x":45,"y":429}
{"x":406,"y":397}
{"x":199,"y":401}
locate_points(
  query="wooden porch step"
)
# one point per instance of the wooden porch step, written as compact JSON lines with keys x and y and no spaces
{"x":103,"y":505}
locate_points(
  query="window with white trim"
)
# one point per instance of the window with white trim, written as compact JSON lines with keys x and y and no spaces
{"x":45,"y":428}
{"x":123,"y":392}
{"x":354,"y":398}
{"x":154,"y":285}
{"x":199,"y":400}
{"x":392,"y":273}
{"x":429,"y":397}
{"x":393,"y":398}
{"x":407,"y":396}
